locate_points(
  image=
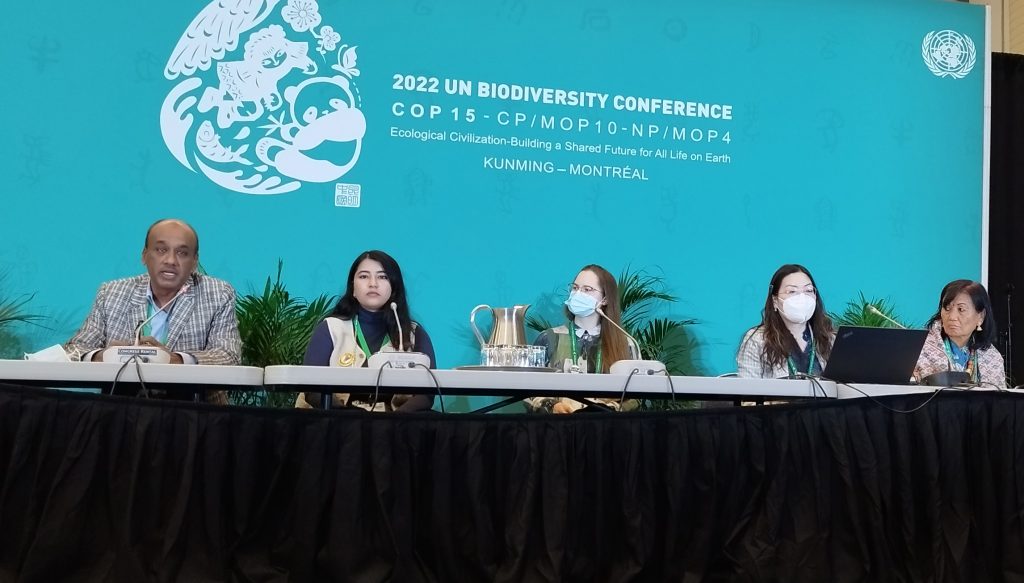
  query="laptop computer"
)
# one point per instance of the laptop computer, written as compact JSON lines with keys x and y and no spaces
{"x":880,"y":356}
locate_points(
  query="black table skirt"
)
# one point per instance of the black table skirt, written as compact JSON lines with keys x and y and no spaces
{"x":115,"y":489}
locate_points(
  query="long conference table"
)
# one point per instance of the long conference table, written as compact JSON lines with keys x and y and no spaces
{"x":512,"y":385}
{"x":170,"y":491}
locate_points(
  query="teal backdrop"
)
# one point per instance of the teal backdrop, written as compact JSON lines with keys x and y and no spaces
{"x":494,"y":148}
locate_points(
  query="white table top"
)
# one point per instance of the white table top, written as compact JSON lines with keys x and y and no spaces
{"x":510,"y":383}
{"x":857,"y":390}
{"x":452,"y":382}
{"x":101,"y":374}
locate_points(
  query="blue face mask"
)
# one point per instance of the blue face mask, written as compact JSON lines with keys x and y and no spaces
{"x":581,"y":304}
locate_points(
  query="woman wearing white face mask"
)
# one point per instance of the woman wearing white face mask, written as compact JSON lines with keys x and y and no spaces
{"x":582,"y":344}
{"x":795,"y":334}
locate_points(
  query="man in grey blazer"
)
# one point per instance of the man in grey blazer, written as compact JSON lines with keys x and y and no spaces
{"x":192,"y":316}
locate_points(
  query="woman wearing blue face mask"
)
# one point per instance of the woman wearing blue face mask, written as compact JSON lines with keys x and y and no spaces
{"x":582,"y":344}
{"x":795,"y":334}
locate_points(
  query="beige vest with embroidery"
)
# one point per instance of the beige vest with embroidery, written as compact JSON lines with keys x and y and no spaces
{"x":347,"y":353}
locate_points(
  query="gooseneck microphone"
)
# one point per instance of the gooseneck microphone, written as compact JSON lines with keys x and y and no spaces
{"x":140,"y":353}
{"x":621,"y":329}
{"x":640,"y":365}
{"x":877,"y":312}
{"x":400,"y":359}
{"x":142,"y":324}
{"x":398,"y":321}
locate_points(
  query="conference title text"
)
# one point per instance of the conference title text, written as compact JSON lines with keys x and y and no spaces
{"x":562,"y":97}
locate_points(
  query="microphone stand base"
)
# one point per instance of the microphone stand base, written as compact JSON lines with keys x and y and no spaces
{"x":148,"y":354}
{"x":947,"y":378}
{"x":643,"y":367}
{"x":399,"y":360}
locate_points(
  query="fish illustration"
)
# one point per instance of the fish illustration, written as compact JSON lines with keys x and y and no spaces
{"x":210,"y":147}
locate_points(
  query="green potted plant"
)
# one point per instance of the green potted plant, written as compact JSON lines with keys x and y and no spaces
{"x":275,"y":327}
{"x":858,"y":312}
{"x":13,"y":312}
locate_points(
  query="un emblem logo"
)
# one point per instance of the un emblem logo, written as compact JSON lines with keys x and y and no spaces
{"x":948,"y":53}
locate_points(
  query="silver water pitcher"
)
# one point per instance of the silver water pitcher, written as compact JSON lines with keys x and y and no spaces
{"x":509,"y":326}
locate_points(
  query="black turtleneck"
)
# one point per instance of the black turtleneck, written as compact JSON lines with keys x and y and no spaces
{"x":374,"y":327}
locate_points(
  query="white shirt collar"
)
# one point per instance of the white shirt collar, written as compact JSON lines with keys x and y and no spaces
{"x":595,"y":330}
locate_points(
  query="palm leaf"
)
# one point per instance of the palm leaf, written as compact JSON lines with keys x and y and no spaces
{"x":275,"y":328}
{"x":538,"y":323}
{"x":12,"y":309}
{"x":858,"y":313}
{"x":664,"y":339}
{"x":668,"y":341}
{"x":639,"y":293}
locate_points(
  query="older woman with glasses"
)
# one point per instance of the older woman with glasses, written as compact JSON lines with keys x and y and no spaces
{"x":795,"y":334}
{"x":582,"y":345}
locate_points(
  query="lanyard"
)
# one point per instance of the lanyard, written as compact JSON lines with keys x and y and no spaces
{"x":147,"y":329}
{"x":362,"y":339}
{"x":972,"y":361}
{"x":575,"y":351}
{"x":810,"y":363}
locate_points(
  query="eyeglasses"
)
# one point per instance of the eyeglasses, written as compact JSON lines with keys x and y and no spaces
{"x":584,"y":288}
{"x":792,"y":290}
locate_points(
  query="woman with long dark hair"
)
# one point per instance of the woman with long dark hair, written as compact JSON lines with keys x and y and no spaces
{"x":960,"y":336}
{"x":583,"y":344}
{"x":795,"y":334}
{"x":364,"y":323}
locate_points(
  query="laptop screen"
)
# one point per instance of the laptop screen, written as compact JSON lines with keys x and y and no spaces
{"x":881,"y":356}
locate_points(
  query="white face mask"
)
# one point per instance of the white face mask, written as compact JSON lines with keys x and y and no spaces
{"x":798,"y":308}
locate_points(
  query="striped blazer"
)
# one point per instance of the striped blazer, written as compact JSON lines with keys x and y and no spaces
{"x":202,"y":322}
